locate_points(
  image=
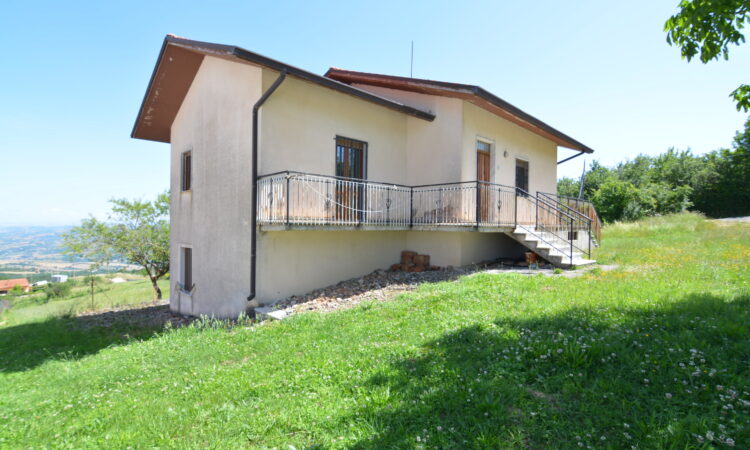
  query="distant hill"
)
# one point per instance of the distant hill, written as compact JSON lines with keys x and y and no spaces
{"x":36,"y":243}
{"x":35,"y":252}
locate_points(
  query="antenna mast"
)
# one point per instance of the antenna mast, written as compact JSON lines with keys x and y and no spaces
{"x":411,"y":66}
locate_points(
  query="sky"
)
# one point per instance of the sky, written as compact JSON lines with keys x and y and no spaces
{"x":74,"y":74}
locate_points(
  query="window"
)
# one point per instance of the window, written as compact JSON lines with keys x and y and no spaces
{"x":187,"y":269}
{"x":522,"y":176}
{"x":187,"y":171}
{"x":351,"y":162}
{"x":351,"y":158}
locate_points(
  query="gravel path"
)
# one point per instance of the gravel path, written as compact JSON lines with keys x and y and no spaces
{"x":734,"y":219}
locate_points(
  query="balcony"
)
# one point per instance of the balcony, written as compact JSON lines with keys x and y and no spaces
{"x":296,"y":200}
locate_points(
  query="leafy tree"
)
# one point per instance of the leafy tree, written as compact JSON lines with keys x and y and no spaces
{"x":616,"y":200}
{"x":708,"y":28}
{"x":137,"y":231}
{"x":568,"y":187}
{"x":725,"y":190}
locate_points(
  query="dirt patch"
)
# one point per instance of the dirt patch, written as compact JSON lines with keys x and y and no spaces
{"x":147,"y":315}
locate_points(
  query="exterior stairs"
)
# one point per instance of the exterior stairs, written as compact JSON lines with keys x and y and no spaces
{"x":550,"y":247}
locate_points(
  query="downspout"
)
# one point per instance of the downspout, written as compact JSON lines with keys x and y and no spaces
{"x":254,"y":199}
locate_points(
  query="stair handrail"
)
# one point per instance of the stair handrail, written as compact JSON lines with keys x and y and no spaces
{"x":597,"y":228}
{"x":554,"y":209}
{"x":540,"y":238}
{"x":562,"y":205}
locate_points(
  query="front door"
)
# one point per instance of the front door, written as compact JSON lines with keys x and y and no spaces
{"x":350,"y":167}
{"x":483,"y":175}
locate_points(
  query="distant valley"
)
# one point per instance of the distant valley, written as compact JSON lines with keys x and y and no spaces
{"x":33,"y":251}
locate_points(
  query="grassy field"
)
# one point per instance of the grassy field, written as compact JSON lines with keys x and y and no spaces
{"x":37,"y":307}
{"x":652,"y":354}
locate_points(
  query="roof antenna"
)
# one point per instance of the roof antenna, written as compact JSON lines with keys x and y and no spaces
{"x":411,"y":68}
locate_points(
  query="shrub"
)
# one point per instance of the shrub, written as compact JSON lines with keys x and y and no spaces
{"x":58,"y":290}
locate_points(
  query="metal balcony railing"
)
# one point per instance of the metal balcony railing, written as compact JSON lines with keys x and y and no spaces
{"x":301,"y":199}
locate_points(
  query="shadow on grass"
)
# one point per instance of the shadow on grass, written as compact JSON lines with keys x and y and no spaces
{"x":656,"y":377}
{"x":28,"y":345}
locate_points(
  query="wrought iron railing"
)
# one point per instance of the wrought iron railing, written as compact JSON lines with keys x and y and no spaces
{"x":301,"y":199}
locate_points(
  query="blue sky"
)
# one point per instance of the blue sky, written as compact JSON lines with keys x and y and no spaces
{"x":74,"y":73}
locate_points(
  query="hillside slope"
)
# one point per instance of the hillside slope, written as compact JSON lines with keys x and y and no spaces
{"x":651,"y":354}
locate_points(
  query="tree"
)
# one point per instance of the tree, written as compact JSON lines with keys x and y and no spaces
{"x":724,"y":190}
{"x":709,"y":27}
{"x":137,"y":231}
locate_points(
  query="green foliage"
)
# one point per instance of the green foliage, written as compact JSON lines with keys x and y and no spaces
{"x":58,"y":290}
{"x":137,"y":231}
{"x":617,"y":199}
{"x":568,"y":187}
{"x":716,"y":184}
{"x":652,"y":354}
{"x":707,"y":28}
{"x":16,"y":291}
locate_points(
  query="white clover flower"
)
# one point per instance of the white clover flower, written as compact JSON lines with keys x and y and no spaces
{"x":668,"y":395}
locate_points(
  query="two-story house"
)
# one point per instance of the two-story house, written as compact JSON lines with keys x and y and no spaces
{"x":284,"y":181}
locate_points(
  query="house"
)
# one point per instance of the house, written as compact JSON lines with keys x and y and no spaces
{"x":8,"y":285}
{"x":284,"y":181}
{"x":59,"y":278}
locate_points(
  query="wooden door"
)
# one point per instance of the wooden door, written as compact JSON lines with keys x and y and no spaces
{"x":350,"y":166}
{"x":483,"y":174}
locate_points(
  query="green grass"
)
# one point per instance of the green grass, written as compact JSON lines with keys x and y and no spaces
{"x":653,"y":354}
{"x":36,"y":307}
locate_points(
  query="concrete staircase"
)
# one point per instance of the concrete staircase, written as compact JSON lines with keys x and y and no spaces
{"x":549,"y":246}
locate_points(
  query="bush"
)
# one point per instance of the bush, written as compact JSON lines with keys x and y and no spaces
{"x":58,"y":290}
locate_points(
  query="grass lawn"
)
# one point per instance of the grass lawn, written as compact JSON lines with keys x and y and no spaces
{"x":653,"y":354}
{"x":36,"y":307}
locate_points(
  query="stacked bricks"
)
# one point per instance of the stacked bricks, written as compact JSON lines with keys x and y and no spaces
{"x":413,"y":262}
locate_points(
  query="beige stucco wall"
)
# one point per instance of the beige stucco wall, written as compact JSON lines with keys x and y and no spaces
{"x":300,"y":121}
{"x":520,"y":143}
{"x":433,"y":154}
{"x":297,"y":262}
{"x":214,"y":122}
{"x":445,"y":150}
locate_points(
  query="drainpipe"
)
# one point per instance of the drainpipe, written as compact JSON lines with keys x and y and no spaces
{"x":254,"y":199}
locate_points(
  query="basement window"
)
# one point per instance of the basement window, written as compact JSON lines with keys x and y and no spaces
{"x":572,"y":235}
{"x":187,"y":171}
{"x":187,"y":269}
